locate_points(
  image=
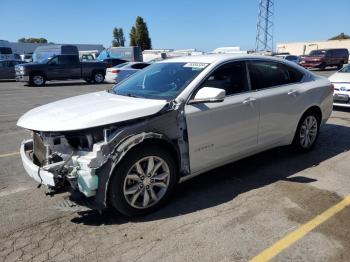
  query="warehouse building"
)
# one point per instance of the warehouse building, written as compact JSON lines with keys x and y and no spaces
{"x":304,"y":48}
{"x":28,"y":48}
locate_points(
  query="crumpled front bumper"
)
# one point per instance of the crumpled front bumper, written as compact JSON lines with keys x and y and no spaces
{"x":38,"y":174}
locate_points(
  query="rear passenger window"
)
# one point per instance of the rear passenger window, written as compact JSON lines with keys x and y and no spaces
{"x":266,"y":74}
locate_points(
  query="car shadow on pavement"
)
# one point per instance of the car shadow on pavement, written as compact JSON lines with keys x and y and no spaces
{"x":54,"y":84}
{"x":225,"y":183}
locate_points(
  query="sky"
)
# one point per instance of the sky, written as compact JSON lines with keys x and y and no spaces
{"x":177,"y":24}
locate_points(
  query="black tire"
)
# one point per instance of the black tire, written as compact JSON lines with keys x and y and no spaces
{"x":33,"y":80}
{"x":323,"y":66}
{"x":340,"y":66}
{"x":119,"y":201}
{"x":98,"y":77}
{"x":298,"y":140}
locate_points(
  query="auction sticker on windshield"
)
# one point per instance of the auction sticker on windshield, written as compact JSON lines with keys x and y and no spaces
{"x":196,"y":65}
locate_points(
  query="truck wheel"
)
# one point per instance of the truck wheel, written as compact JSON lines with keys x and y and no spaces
{"x":143,"y":181}
{"x":340,"y":66}
{"x":323,"y":66}
{"x":37,"y":80}
{"x":98,"y":78}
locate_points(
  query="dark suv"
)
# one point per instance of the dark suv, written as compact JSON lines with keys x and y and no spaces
{"x":322,"y":58}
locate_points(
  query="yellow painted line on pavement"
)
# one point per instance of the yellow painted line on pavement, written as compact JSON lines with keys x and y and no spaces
{"x":9,"y":154}
{"x":299,"y":233}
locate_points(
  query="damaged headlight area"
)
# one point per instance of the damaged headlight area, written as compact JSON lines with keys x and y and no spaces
{"x":67,"y":157}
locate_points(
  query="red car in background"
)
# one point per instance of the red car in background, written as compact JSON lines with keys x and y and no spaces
{"x":322,"y":58}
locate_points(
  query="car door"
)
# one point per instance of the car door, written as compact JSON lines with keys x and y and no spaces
{"x":53,"y":69}
{"x":222,"y":131}
{"x":69,"y":67}
{"x":277,"y":87}
{"x":11,"y":69}
{"x":3,"y":70}
{"x":8,"y":70}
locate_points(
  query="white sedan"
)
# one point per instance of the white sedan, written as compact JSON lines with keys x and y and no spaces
{"x":341,"y":82}
{"x":120,"y":72}
{"x":127,"y":147}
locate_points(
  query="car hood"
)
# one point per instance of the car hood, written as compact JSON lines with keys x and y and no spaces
{"x":31,"y":65}
{"x":86,"y":111}
{"x":340,"y":78}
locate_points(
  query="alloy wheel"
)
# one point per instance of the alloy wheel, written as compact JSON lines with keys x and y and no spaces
{"x":38,"y":80}
{"x":146,"y":182}
{"x":308,"y":131}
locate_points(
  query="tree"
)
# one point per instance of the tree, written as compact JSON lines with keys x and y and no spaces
{"x":118,"y":37}
{"x":32,"y":40}
{"x":133,"y":36}
{"x":139,"y":35}
{"x":341,"y":36}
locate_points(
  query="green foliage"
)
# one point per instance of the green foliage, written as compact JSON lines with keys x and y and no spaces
{"x":32,"y":40}
{"x":341,"y":36}
{"x":133,"y":36}
{"x":139,"y":35}
{"x":118,"y":37}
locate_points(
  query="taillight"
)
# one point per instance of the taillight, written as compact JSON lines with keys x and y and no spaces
{"x":333,"y":88}
{"x":115,"y":71}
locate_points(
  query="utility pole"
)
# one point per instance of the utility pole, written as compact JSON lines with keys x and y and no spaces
{"x":264,"y":28}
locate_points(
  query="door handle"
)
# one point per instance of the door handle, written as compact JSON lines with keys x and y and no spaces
{"x":292,"y":92}
{"x":248,"y":100}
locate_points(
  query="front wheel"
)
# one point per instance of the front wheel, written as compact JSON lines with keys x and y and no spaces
{"x":143,"y":181}
{"x":307,"y":132}
{"x":37,"y":80}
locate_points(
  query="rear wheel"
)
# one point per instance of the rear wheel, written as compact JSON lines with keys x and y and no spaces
{"x":143,"y":181}
{"x":340,"y":66}
{"x":37,"y":80}
{"x":307,"y":132}
{"x":98,"y":77}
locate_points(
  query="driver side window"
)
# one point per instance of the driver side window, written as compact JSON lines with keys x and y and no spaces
{"x":232,"y":77}
{"x":54,"y":61}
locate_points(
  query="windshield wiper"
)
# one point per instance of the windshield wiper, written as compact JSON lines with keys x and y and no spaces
{"x":130,"y":95}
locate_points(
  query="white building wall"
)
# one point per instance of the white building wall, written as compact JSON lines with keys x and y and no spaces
{"x":304,"y":48}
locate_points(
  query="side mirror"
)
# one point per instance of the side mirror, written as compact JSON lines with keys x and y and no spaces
{"x":209,"y":95}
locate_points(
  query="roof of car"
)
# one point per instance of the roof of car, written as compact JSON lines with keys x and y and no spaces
{"x":211,"y":58}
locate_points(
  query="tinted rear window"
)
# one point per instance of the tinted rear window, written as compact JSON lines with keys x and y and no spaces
{"x":266,"y":74}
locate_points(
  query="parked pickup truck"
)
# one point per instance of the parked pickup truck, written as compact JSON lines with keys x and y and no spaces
{"x":60,"y":67}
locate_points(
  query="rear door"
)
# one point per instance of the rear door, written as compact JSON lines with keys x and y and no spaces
{"x":222,"y":131}
{"x":69,"y":66}
{"x":277,"y":87}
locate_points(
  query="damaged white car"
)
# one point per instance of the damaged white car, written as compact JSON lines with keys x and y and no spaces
{"x":129,"y":146}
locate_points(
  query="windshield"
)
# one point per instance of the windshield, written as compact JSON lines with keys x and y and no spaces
{"x":345,"y":69}
{"x":317,"y":52}
{"x":160,"y":80}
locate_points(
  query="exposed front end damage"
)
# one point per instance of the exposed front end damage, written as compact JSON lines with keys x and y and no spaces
{"x":85,"y":160}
